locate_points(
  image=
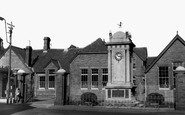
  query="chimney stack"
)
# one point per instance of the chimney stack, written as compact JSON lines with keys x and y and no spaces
{"x":46,"y":43}
{"x":28,"y":55}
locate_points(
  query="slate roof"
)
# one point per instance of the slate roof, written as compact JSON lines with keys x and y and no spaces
{"x":141,"y":53}
{"x":41,"y":60}
{"x":98,"y":46}
{"x":20,"y":52}
{"x":177,"y":37}
{"x":150,"y":60}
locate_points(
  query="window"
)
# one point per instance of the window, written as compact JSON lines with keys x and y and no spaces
{"x":84,"y":76}
{"x":42,"y":82}
{"x":163,"y":77}
{"x":134,"y":80}
{"x":175,"y":65}
{"x":104,"y":77}
{"x":94,"y":74}
{"x":134,"y":63}
{"x":52,"y":81}
{"x":51,"y":78}
{"x":51,"y":71}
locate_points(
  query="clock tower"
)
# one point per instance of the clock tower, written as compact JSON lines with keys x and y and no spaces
{"x":120,"y":49}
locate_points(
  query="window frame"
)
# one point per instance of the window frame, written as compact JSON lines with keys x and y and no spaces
{"x":104,"y":74}
{"x":81,"y":82}
{"x":43,"y":75}
{"x":134,"y":63}
{"x":164,"y":77}
{"x":93,"y":75}
{"x":53,"y":73}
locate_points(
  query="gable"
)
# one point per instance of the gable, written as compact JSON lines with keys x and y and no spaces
{"x":141,"y":53}
{"x":51,"y":65}
{"x":16,"y":61}
{"x":174,"y":51}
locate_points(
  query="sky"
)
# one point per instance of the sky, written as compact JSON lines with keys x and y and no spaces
{"x":152,"y":23}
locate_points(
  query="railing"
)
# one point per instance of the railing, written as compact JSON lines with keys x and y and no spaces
{"x":133,"y":103}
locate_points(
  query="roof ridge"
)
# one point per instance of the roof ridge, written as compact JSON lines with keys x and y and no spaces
{"x":164,"y":50}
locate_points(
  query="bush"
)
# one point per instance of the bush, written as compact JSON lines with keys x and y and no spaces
{"x":155,"y":98}
{"x":89,"y":98}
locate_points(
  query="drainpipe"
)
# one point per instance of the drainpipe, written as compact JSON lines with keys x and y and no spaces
{"x":145,"y":89}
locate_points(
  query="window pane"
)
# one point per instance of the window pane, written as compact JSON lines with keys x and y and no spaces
{"x":94,"y":81}
{"x":51,"y":81}
{"x":42,"y":81}
{"x":109,"y":93}
{"x":84,"y":78}
{"x":51,"y":71}
{"x":94,"y":71}
{"x":163,"y":77}
{"x":104,"y":77}
{"x":94,"y":75}
{"x":84,"y":71}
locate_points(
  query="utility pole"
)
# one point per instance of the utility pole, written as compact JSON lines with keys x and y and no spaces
{"x":10,"y":56}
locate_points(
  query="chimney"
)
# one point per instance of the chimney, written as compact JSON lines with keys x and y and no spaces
{"x":46,"y":43}
{"x":1,"y":44}
{"x":28,"y":55}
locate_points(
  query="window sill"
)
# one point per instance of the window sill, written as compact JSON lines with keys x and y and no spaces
{"x":164,"y":88}
{"x":42,"y":89}
{"x":94,"y":88}
{"x":51,"y":88}
{"x":84,"y":88}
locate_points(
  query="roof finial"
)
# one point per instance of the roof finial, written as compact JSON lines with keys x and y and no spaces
{"x":120,"y":24}
{"x":177,"y":31}
{"x":29,"y":42}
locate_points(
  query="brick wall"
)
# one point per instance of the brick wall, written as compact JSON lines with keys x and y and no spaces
{"x":88,"y":61}
{"x":175,"y":53}
{"x":138,"y":72}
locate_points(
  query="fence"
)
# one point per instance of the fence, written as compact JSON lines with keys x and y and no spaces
{"x":153,"y":100}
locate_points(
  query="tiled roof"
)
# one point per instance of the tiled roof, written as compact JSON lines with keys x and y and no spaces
{"x":98,"y":46}
{"x":41,"y":59}
{"x":150,"y":60}
{"x":177,"y":37}
{"x":21,"y":53}
{"x":55,"y":55}
{"x":141,"y":52}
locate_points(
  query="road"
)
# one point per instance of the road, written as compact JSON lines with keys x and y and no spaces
{"x":26,"y":109}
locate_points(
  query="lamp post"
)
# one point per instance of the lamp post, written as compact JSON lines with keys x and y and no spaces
{"x":21,"y":84}
{"x":10,"y":45}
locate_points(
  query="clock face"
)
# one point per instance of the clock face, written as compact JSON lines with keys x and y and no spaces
{"x":118,"y":56}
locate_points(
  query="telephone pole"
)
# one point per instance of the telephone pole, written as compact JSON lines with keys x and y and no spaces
{"x":10,"y":56}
